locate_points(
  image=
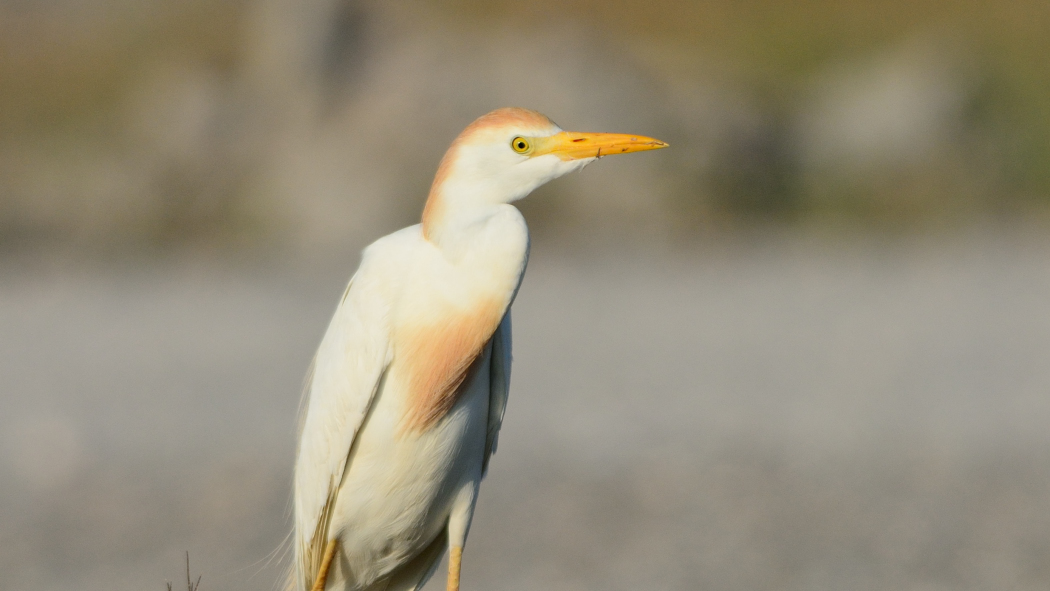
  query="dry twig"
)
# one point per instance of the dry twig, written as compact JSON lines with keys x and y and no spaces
{"x":190,"y":584}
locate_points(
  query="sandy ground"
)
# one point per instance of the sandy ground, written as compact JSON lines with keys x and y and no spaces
{"x":788,"y":415}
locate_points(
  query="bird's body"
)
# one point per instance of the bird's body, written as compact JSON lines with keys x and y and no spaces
{"x":411,"y":379}
{"x":424,"y":473}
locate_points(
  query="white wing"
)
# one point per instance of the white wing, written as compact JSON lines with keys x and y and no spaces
{"x":346,"y":373}
{"x":499,"y":386}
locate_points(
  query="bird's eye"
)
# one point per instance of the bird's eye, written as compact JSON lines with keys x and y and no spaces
{"x":520,"y":145}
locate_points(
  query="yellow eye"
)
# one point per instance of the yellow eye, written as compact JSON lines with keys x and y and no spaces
{"x":520,"y":145}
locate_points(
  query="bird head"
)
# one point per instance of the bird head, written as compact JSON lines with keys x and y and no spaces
{"x":506,"y":154}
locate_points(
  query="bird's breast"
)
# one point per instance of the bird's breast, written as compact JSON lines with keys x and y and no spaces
{"x":434,"y":357}
{"x":448,"y":312}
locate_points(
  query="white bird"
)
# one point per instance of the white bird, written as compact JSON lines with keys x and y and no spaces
{"x":408,"y":387}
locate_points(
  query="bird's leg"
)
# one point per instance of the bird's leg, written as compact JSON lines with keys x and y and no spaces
{"x":326,"y":563}
{"x":458,"y":524}
{"x":455,"y":558}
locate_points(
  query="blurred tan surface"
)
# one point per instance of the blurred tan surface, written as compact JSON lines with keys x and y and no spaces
{"x":777,"y":413}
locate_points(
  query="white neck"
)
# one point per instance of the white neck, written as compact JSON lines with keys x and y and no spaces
{"x":459,"y":228}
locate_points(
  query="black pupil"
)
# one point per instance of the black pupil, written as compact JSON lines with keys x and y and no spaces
{"x":521,"y":145}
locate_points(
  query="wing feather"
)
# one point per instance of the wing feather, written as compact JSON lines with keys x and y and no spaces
{"x":345,"y":375}
{"x":499,"y":386}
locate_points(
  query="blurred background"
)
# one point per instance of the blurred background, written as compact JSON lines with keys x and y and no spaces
{"x":806,"y":348}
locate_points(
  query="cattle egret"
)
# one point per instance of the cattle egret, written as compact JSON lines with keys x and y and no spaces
{"x":408,"y":387}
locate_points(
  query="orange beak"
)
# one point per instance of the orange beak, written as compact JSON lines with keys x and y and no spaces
{"x":574,"y":145}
